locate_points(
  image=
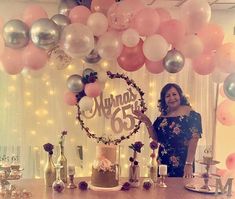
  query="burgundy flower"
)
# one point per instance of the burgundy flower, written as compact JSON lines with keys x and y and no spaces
{"x":63,"y":133}
{"x":136,"y":162}
{"x":126,"y":186}
{"x":147,"y":185}
{"x":137,"y":146}
{"x":131,"y":159}
{"x":153,"y":145}
{"x":83,"y":185}
{"x":48,"y":148}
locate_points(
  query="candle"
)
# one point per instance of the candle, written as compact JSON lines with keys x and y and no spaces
{"x":71,"y":170}
{"x":162,"y":169}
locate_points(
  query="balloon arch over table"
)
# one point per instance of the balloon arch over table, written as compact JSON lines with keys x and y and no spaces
{"x":127,"y":31}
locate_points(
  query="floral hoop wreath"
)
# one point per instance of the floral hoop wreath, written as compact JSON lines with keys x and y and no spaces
{"x":143,"y":108}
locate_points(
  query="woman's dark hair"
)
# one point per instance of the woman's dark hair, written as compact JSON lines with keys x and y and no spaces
{"x":162,"y":104}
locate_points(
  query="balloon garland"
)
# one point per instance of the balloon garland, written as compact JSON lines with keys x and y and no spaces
{"x":143,"y":107}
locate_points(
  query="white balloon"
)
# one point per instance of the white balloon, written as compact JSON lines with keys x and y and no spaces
{"x":109,"y":45}
{"x":130,"y":37}
{"x":86,"y":103}
{"x":98,"y":23}
{"x":77,"y":40}
{"x":155,"y":47}
{"x":218,"y":76}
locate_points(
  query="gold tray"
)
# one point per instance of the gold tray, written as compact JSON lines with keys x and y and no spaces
{"x":212,"y":162}
{"x":197,"y":188}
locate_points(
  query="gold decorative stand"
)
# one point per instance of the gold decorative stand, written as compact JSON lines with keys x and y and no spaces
{"x":206,"y":187}
{"x":7,"y":190}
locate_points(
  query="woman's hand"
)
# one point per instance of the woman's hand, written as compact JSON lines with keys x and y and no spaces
{"x":142,"y":117}
{"x":188,"y":171}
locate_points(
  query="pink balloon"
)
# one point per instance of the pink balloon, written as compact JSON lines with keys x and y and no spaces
{"x":32,"y":13}
{"x":163,"y":14}
{"x":120,"y":16}
{"x":12,"y":61}
{"x":101,"y":5}
{"x":204,"y":63}
{"x":79,"y":14}
{"x":225,"y":112}
{"x":34,"y":58}
{"x":173,"y":31}
{"x":154,"y":67}
{"x":92,"y":89}
{"x":195,"y":14}
{"x":225,"y":58}
{"x":146,"y":22}
{"x":132,"y":58}
{"x":134,"y":5}
{"x":212,"y":36}
{"x":230,"y":161}
{"x":70,"y":98}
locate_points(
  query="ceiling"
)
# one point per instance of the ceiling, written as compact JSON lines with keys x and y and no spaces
{"x":215,"y":4}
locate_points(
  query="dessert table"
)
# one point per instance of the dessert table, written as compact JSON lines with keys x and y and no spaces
{"x":175,"y":190}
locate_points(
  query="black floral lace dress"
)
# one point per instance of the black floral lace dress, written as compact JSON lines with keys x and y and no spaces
{"x":173,"y":134}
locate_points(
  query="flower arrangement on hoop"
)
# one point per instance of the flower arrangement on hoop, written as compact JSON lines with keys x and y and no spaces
{"x":116,"y":141}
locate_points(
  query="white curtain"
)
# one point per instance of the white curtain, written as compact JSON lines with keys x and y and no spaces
{"x":33,"y":113}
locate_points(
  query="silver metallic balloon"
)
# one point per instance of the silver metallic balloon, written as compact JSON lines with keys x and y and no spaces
{"x":16,"y":34}
{"x":93,"y":57}
{"x":173,"y":62}
{"x":65,"y":6}
{"x":75,"y":84}
{"x":229,"y":86}
{"x":45,"y":33}
{"x":87,"y":72}
{"x":61,"y":20}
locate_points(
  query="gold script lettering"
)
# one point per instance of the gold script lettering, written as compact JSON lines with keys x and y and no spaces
{"x":114,"y":106}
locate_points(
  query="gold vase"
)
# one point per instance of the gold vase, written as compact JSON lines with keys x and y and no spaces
{"x":49,"y":172}
{"x":62,"y":160}
{"x":153,"y":170}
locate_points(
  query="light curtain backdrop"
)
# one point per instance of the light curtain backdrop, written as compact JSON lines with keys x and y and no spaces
{"x":33,"y":113}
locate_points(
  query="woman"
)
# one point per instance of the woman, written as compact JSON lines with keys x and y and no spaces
{"x":177,"y":129}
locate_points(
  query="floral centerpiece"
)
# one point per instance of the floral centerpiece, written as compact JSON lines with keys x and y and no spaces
{"x":134,"y":169}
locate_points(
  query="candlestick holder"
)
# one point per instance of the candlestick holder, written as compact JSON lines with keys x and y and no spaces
{"x":71,"y":184}
{"x":162,"y":183}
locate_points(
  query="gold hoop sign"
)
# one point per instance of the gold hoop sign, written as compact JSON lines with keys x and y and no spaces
{"x":118,"y":109}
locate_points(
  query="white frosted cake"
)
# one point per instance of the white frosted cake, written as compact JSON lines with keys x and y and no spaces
{"x":104,"y":169}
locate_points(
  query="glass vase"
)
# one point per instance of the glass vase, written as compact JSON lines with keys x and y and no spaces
{"x":49,"y":172}
{"x":134,"y":172}
{"x":58,"y":185}
{"x":152,"y":174}
{"x":62,"y":160}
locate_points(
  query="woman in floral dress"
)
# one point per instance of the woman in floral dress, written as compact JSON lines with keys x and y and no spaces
{"x":177,"y":131}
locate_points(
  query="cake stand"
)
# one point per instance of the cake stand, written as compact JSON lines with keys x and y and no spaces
{"x":7,"y":174}
{"x":206,"y":187}
{"x":95,"y":188}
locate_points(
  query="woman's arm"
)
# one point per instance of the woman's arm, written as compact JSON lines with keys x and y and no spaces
{"x":151,"y":132}
{"x":188,"y":168}
{"x":145,"y":119}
